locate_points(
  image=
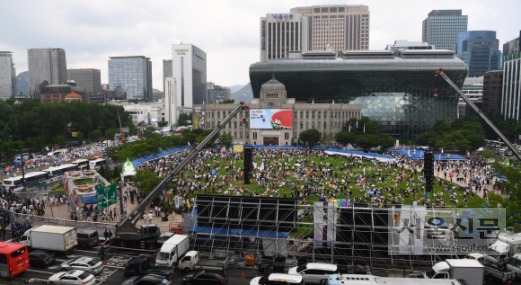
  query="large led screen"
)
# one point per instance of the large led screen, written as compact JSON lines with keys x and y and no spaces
{"x":273,"y":119}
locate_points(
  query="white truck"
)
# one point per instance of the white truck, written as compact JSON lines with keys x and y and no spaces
{"x":172,"y":249}
{"x":52,"y":238}
{"x":191,"y":261}
{"x":361,"y":279}
{"x":471,"y":271}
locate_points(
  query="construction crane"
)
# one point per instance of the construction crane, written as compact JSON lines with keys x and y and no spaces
{"x":478,"y":111}
{"x":126,"y":232}
{"x":122,"y":132}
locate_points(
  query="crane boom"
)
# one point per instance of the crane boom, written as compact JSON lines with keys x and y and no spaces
{"x":478,"y":111}
{"x":127,"y":225}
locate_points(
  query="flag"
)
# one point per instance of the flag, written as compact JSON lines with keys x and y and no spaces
{"x":441,"y":150}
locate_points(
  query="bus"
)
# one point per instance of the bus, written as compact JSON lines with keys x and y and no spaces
{"x":59,"y":170}
{"x":81,"y":163}
{"x":18,"y":181}
{"x":97,"y":163}
{"x":14,"y":259}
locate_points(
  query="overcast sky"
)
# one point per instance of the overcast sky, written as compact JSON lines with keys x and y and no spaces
{"x":91,"y":31}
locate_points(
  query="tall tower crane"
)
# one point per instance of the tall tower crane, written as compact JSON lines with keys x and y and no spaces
{"x":478,"y":111}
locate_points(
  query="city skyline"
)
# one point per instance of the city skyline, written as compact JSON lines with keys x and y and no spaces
{"x":228,"y":31}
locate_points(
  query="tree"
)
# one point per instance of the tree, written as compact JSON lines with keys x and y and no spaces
{"x":344,"y":137}
{"x":184,"y":119}
{"x":146,"y":181}
{"x":226,"y":139}
{"x":310,"y":137}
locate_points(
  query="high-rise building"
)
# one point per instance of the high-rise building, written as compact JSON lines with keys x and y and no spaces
{"x":88,"y":78}
{"x":171,"y":113}
{"x":131,"y":74}
{"x":473,"y":89}
{"x":511,"y":97}
{"x":512,"y":46}
{"x":189,"y":70}
{"x":343,"y":27}
{"x":441,"y":28}
{"x":282,"y":34}
{"x":167,"y":71}
{"x":217,"y":93}
{"x":480,"y":51}
{"x":492,"y":89}
{"x":7,"y":75}
{"x":46,"y":65}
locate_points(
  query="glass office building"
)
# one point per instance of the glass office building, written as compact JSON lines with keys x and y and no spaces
{"x":441,"y":28}
{"x":480,"y":51}
{"x":395,"y":88}
{"x":132,"y":75}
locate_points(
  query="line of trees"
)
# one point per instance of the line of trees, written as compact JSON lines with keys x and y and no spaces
{"x":30,"y":125}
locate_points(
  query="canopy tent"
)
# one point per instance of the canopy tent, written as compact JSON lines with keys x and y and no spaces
{"x":128,"y":169}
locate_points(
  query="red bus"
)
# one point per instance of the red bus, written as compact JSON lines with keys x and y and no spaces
{"x":14,"y":259}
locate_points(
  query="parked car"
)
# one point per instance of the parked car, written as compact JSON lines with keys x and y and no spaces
{"x":205,"y":278}
{"x":41,"y":259}
{"x":72,"y":277}
{"x":314,"y":273}
{"x":87,"y":238}
{"x":89,"y":264}
{"x":146,"y":280}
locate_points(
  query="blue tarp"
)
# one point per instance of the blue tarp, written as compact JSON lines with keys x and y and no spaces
{"x":417,"y":153}
{"x":137,"y":162}
{"x":359,"y":153}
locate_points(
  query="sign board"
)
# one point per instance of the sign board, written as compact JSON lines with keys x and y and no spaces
{"x":274,"y":119}
{"x":105,"y":196}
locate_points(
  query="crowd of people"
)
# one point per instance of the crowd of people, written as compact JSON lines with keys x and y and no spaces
{"x":302,"y":173}
{"x":290,"y":173}
{"x":50,"y":157}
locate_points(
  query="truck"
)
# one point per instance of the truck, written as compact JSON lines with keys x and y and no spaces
{"x":172,"y":249}
{"x":142,"y":265}
{"x":52,"y":238}
{"x":493,"y":269}
{"x":468,"y":270}
{"x":146,"y":236}
{"x":192,"y":261}
{"x":362,"y":279}
{"x":507,"y":247}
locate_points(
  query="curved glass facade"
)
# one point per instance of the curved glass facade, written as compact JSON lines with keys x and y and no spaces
{"x":395,"y":88}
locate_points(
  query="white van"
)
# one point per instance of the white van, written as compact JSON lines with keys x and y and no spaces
{"x":172,"y":250}
{"x":314,"y":273}
{"x":278,"y":278}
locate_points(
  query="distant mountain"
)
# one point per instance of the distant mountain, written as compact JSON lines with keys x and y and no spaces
{"x":235,"y":88}
{"x":244,"y":94}
{"x":22,"y":83}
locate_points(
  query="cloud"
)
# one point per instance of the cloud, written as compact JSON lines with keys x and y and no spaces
{"x":227,"y":30}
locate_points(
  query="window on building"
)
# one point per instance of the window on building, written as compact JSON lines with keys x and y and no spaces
{"x":254,"y":135}
{"x":286,"y":136}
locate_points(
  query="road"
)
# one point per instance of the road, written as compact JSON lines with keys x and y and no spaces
{"x":113,"y":273}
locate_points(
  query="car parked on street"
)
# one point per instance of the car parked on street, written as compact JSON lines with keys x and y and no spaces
{"x":89,"y":264}
{"x":73,"y":277}
{"x":205,"y":278}
{"x":41,"y":259}
{"x":314,"y":273}
{"x":148,"y":279}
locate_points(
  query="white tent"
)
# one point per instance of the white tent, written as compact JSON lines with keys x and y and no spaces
{"x":128,"y":169}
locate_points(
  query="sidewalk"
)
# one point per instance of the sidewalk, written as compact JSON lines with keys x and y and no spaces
{"x":63,"y":212}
